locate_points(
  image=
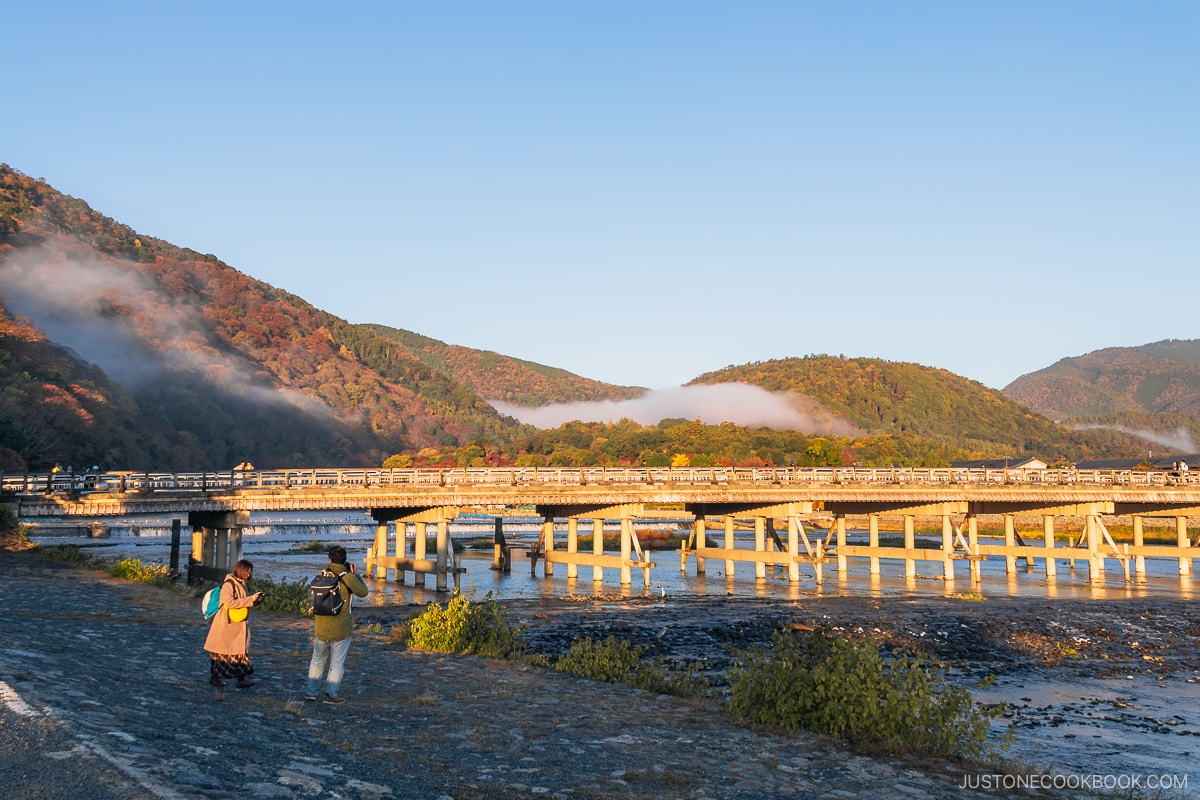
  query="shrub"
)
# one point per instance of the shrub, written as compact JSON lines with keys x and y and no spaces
{"x":618,"y":661}
{"x":846,"y":689}
{"x":466,"y":627}
{"x":134,"y":570}
{"x":293,"y":598}
{"x":66,"y":554}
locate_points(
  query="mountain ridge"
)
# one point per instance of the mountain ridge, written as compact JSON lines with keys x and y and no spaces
{"x":121,"y":349}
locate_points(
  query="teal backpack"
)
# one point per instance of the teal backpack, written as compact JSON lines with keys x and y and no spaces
{"x":211,"y":603}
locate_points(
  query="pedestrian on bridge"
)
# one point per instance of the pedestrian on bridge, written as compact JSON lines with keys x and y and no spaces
{"x":331,"y":634}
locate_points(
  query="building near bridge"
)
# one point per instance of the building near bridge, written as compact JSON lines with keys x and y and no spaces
{"x":1162,"y":462}
{"x":1001,"y":463}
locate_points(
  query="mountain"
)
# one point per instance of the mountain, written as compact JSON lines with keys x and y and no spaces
{"x":193,"y":364}
{"x":1162,"y":377}
{"x":125,"y":351}
{"x":886,"y":397}
{"x":499,"y":377}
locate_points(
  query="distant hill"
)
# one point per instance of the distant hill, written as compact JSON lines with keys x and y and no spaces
{"x":499,"y":377}
{"x":200,"y":364}
{"x":885,"y":397}
{"x":1162,"y":377}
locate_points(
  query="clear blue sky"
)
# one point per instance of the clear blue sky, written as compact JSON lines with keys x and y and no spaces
{"x":640,"y":192}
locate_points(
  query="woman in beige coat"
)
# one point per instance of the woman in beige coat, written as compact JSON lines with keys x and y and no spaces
{"x":229,"y":642}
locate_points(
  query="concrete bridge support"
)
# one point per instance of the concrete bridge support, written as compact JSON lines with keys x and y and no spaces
{"x":1139,"y":539}
{"x":1181,"y":540}
{"x":730,"y":522}
{"x":420,"y":549}
{"x":1048,"y":531}
{"x":973,"y":548}
{"x":442,"y":567}
{"x":910,"y":544}
{"x":840,"y":522}
{"x":873,"y":542}
{"x":947,"y":547}
{"x":630,"y":554}
{"x":572,"y":547}
{"x":216,"y":543}
{"x":597,"y":548}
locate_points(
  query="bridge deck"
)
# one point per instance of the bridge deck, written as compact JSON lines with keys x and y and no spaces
{"x":218,"y":502}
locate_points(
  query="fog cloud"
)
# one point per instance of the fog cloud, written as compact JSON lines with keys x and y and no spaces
{"x":739,"y":403}
{"x":1181,"y":439}
{"x":113,"y":314}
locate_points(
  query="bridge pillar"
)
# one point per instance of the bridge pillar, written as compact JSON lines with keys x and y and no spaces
{"x":548,"y":546}
{"x":626,"y":550}
{"x":1048,"y":530}
{"x":216,"y":543}
{"x":1010,"y":540}
{"x":401,"y":547}
{"x":420,"y":548}
{"x":598,"y":548}
{"x":381,"y":542}
{"x":910,"y":543}
{"x":572,"y":546}
{"x":841,"y":545}
{"x":443,"y":554}
{"x":729,"y":523}
{"x":760,"y":545}
{"x":701,"y":541}
{"x":793,"y":549}
{"x":1139,"y":539}
{"x":1181,"y":539}
{"x":1095,"y":562}
{"x":947,"y":547}
{"x":501,"y":554}
{"x":873,"y":541}
{"x":976,"y":570}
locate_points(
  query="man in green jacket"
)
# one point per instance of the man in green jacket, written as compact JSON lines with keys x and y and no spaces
{"x":331,"y":637}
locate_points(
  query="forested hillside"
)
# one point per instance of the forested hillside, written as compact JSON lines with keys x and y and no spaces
{"x":498,"y":377}
{"x":204,"y":364}
{"x":1163,"y":377}
{"x":885,"y":397}
{"x":127,"y":352}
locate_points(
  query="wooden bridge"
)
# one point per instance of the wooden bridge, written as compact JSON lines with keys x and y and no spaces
{"x":218,"y":505}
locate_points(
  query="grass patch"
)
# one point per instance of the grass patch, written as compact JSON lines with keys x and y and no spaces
{"x":618,"y":661}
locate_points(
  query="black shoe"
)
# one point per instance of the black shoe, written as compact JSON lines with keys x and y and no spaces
{"x":216,"y":681}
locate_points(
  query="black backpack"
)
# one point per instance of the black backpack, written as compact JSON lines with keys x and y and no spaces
{"x":327,"y":599}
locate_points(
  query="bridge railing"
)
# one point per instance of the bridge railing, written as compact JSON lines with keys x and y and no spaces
{"x":334,"y":478}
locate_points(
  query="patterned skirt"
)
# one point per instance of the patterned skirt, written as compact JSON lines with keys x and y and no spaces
{"x":223,"y":666}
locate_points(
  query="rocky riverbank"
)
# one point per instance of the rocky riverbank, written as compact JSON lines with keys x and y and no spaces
{"x":110,"y":677}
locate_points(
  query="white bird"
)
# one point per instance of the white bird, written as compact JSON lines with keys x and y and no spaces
{"x":662,"y":589}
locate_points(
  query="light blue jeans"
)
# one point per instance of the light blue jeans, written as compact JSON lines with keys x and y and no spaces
{"x":333,"y":655}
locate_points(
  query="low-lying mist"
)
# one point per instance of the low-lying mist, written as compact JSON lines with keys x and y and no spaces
{"x":1180,"y":440}
{"x":739,"y":403}
{"x":114,"y":314}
